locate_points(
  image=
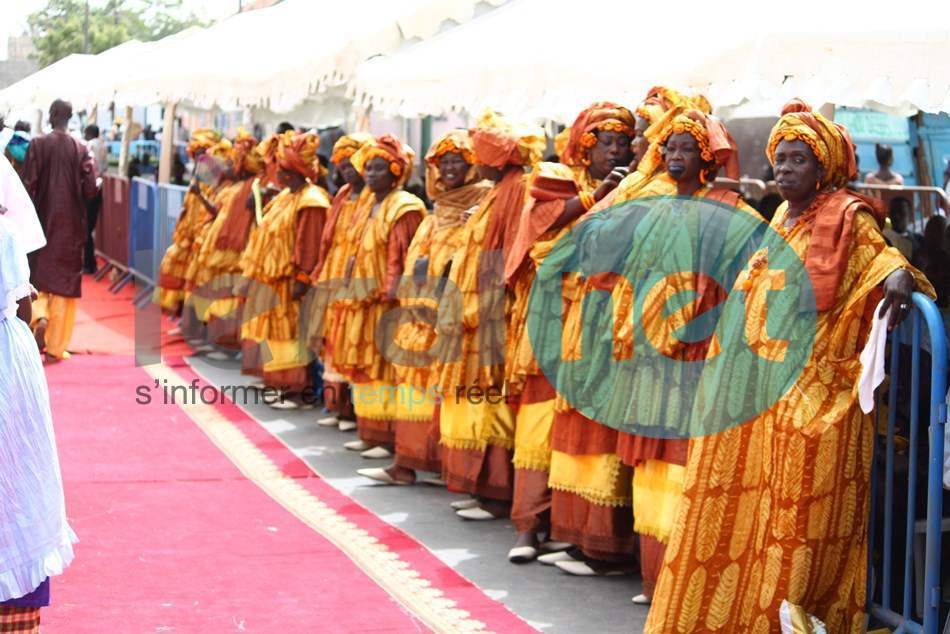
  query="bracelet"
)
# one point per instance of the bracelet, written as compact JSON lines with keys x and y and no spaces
{"x":587,"y":200}
{"x":303,"y":277}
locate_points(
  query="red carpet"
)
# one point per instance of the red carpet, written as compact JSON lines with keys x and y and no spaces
{"x":175,"y":537}
{"x":105,"y":322}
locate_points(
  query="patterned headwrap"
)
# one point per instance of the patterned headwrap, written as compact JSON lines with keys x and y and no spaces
{"x":391,"y":149}
{"x":202,"y":139}
{"x":297,"y":152}
{"x":347,"y":145}
{"x":597,"y":117}
{"x":457,"y":141}
{"x":245,"y":155}
{"x":829,"y":141}
{"x":498,"y":142}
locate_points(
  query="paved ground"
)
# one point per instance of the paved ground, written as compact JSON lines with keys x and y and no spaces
{"x":549,"y":599}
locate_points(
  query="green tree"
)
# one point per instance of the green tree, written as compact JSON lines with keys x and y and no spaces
{"x":59,"y":29}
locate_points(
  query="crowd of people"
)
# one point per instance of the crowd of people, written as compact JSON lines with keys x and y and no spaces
{"x":414,"y":327}
{"x":350,"y":294}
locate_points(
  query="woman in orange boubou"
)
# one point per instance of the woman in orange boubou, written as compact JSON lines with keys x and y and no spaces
{"x":777,"y":508}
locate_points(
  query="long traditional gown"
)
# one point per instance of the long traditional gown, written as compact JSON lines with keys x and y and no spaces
{"x":377,"y":263}
{"x":60,"y":176}
{"x":777,"y":508}
{"x":285,"y":246}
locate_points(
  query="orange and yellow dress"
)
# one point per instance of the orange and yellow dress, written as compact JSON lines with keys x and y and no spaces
{"x":436,"y":241}
{"x":283,"y":250}
{"x":552,"y":184}
{"x":476,"y":418}
{"x":777,"y":508}
{"x":377,"y":263}
{"x":170,"y":293}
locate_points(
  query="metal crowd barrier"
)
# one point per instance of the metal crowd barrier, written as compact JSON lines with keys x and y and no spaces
{"x":925,"y":201}
{"x":143,"y":231}
{"x":135,"y":228}
{"x":112,"y":229}
{"x":917,"y":565}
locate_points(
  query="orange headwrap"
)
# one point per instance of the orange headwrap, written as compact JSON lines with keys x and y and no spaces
{"x":715,"y":143}
{"x":602,"y":115}
{"x":297,"y":152}
{"x":498,"y":142}
{"x":829,"y":141}
{"x":202,"y":139}
{"x":457,"y":141}
{"x":389,"y":148}
{"x":247,"y":160}
{"x":347,"y":145}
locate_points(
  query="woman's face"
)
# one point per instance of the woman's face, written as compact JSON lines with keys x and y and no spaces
{"x":350,"y":175}
{"x":797,"y":171}
{"x":611,"y":150}
{"x":640,"y":144}
{"x":683,"y":157}
{"x":377,"y":175}
{"x":453,"y":169}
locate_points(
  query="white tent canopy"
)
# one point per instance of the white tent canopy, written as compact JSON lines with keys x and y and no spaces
{"x":530,"y":58}
{"x":277,"y":57}
{"x":40,"y":89}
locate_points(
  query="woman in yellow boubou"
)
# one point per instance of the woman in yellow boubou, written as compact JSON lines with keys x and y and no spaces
{"x":455,"y":188}
{"x":371,"y":276}
{"x":277,"y":263}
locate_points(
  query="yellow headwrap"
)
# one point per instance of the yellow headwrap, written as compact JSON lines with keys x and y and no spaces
{"x":829,"y":141}
{"x":347,"y":145}
{"x":220,"y":150}
{"x":391,"y":149}
{"x":245,"y":155}
{"x":458,"y":141}
{"x":202,"y":139}
{"x":498,"y":142}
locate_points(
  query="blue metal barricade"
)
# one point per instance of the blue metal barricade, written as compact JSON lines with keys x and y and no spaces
{"x":886,"y":605}
{"x":143,"y":233}
{"x":170,"y":199}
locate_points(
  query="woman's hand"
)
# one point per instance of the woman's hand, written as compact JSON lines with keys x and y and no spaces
{"x":610,"y":183}
{"x":898,"y":288}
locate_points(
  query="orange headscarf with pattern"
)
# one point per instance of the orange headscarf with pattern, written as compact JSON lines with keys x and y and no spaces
{"x":715,"y":143}
{"x":297,"y":152}
{"x":244,"y":154}
{"x":835,"y":207}
{"x":829,"y":141}
{"x":498,"y":142}
{"x":202,"y":139}
{"x":659,"y":99}
{"x":347,"y":145}
{"x":597,"y":117}
{"x":391,"y":149}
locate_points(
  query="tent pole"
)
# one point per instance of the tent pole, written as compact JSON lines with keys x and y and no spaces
{"x":168,"y":144}
{"x":126,"y":138}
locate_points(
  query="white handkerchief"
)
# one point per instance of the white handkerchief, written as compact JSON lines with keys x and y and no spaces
{"x":872,"y":360}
